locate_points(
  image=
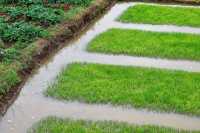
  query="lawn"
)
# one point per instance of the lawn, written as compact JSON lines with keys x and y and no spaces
{"x":156,"y":89}
{"x":56,"y":125}
{"x":147,"y":43}
{"x":22,"y":23}
{"x":152,"y":14}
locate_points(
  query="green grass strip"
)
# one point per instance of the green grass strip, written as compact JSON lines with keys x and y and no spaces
{"x":146,"y":43}
{"x":156,"y":89}
{"x":150,"y":14}
{"x":56,"y":125}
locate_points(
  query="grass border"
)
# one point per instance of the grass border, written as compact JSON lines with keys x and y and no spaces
{"x":100,"y":126}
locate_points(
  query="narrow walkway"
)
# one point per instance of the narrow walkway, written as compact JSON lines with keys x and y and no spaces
{"x":190,"y":66}
{"x":158,"y":28}
{"x":32,"y":105}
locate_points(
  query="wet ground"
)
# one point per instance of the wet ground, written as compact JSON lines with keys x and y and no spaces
{"x":32,"y":105}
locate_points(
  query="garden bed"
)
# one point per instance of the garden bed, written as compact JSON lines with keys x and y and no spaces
{"x":156,"y":89}
{"x":34,"y":50}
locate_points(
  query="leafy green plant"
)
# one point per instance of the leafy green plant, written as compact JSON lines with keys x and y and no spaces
{"x":77,"y":2}
{"x":20,"y":31}
{"x":10,"y":54}
{"x":26,"y":2}
{"x":3,"y":25}
{"x":27,"y":32}
{"x":44,"y":15}
{"x":21,"y":2}
{"x":2,"y":53}
{"x":8,"y":1}
{"x":15,"y":12}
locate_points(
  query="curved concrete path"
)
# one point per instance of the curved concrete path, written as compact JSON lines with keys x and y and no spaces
{"x":32,"y":105}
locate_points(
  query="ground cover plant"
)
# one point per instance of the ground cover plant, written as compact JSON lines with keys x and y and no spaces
{"x":147,"y":43}
{"x":155,"y":89}
{"x":56,"y":125}
{"x":150,"y":14}
{"x":22,"y":22}
{"x":8,"y":78}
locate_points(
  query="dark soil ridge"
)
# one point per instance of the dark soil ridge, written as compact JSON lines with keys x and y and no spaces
{"x":45,"y":48}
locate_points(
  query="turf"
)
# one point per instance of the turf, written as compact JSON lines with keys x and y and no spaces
{"x":155,"y":89}
{"x":147,"y":43}
{"x":56,"y":125}
{"x":152,"y":14}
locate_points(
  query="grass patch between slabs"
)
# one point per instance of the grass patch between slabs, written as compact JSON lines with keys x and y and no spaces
{"x":147,"y":43}
{"x":56,"y":125}
{"x":152,"y":14}
{"x":156,"y":89}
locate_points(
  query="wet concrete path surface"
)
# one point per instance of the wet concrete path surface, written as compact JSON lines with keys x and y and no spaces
{"x":32,"y":105}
